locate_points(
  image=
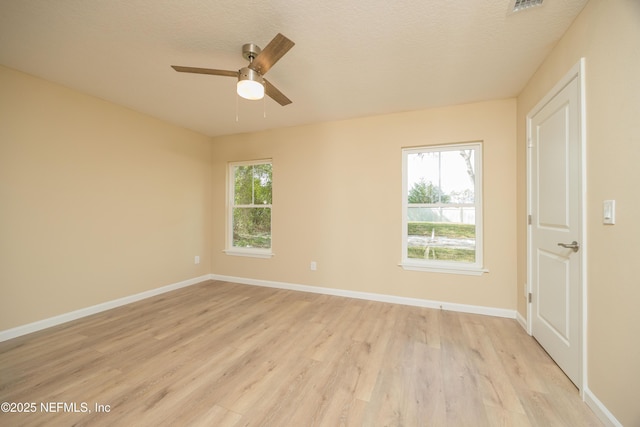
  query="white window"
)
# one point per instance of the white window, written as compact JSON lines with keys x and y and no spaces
{"x":249,"y":215}
{"x":442,"y":208}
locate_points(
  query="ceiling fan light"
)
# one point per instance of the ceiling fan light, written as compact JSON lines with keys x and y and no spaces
{"x":250,"y":84}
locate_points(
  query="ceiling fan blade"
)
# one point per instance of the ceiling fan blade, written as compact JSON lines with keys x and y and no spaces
{"x":275,"y":94}
{"x":271,"y":54}
{"x":205,"y":71}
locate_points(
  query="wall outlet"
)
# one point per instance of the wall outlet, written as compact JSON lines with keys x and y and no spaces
{"x":313,"y":266}
{"x":196,"y":260}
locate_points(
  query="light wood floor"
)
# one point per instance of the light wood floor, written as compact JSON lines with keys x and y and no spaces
{"x":222,"y":354}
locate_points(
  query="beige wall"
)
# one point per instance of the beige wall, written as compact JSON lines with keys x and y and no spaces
{"x":607,"y":35}
{"x":337,"y":201}
{"x":97,"y":202}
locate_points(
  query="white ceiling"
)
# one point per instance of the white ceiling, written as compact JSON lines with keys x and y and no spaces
{"x":351,"y":58}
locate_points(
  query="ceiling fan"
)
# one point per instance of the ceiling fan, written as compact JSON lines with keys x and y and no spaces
{"x":251,"y":83}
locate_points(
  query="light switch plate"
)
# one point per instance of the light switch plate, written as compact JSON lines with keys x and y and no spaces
{"x":609,"y":212}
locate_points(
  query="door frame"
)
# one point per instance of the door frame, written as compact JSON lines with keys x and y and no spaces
{"x":576,"y":72}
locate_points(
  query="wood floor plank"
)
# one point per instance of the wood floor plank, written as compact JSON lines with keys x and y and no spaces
{"x":409,"y":390}
{"x":493,"y":380}
{"x":465,"y":401}
{"x":292,"y":395}
{"x":225,"y":354}
{"x":375,"y":336}
{"x":216,"y":416}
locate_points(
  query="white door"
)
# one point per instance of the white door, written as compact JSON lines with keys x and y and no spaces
{"x":555,"y":205}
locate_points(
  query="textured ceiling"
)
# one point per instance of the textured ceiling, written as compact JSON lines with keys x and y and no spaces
{"x":351,"y":58}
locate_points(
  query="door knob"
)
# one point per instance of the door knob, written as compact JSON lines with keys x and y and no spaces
{"x":573,"y":245}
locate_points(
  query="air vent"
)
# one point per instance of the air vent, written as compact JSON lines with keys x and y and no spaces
{"x":519,"y":5}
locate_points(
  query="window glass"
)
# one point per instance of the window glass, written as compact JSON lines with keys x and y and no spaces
{"x":250,"y":206}
{"x":441,"y":209}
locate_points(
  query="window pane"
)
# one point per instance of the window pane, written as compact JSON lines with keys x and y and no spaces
{"x":441,"y":177}
{"x":243,"y":185}
{"x":443,"y":241}
{"x":252,"y":227}
{"x":262,"y":184}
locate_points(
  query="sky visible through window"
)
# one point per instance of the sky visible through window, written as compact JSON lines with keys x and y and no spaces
{"x":452,"y":167}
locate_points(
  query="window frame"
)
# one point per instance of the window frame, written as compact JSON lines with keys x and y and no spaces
{"x":439,"y":266}
{"x":243,"y":251}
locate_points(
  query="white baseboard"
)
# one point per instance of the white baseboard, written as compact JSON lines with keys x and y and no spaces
{"x":522,"y":321}
{"x":463,"y":308}
{"x":83,"y":312}
{"x":67,"y":317}
{"x":600,"y":410}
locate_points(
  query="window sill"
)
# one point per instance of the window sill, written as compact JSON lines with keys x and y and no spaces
{"x":251,"y":253}
{"x":469,"y":271}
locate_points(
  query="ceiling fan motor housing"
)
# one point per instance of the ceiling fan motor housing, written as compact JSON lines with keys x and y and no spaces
{"x":250,"y":51}
{"x":247,"y":73}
